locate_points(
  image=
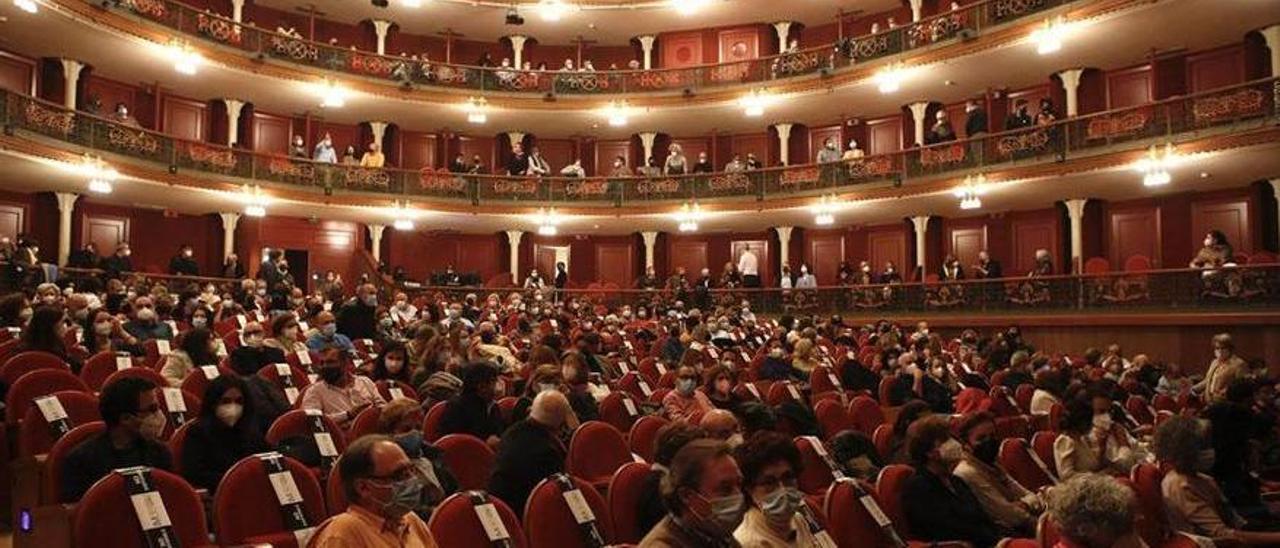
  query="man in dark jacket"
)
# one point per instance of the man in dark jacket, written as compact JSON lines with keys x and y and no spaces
{"x":118,"y":263}
{"x":531,"y":450}
{"x":975,"y":121}
{"x":357,"y":319}
{"x":184,"y":263}
{"x":85,"y":257}
{"x":938,"y":505}
{"x":135,"y":421}
{"x":473,"y":411}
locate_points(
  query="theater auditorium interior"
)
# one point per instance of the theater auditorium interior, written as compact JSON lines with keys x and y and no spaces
{"x":654,"y":273}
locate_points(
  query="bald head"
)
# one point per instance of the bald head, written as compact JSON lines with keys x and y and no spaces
{"x":719,"y":424}
{"x":551,"y":409}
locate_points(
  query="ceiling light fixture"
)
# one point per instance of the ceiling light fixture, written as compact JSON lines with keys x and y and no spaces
{"x":553,"y":10}
{"x":890,"y":78}
{"x":824,"y":211}
{"x":1048,"y":38}
{"x":331,"y":94}
{"x":617,"y":112}
{"x":548,"y":221}
{"x":1155,"y":165}
{"x":754,"y":102}
{"x":186,"y":60}
{"x":689,"y":7}
{"x":412,"y":4}
{"x":100,"y":175}
{"x":403,"y":217}
{"x":255,"y":201}
{"x":475,"y":108}
{"x":688,"y":217}
{"x":28,"y":6}
{"x":973,"y":187}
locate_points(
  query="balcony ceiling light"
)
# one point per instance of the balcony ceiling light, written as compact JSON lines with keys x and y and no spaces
{"x":890,"y":78}
{"x":1155,"y":165}
{"x":28,"y":6}
{"x":403,"y":216}
{"x":185,"y":59}
{"x":1049,"y":37}
{"x":475,"y":108}
{"x":754,"y":102}
{"x":553,"y":10}
{"x":332,"y":95}
{"x":255,"y":202}
{"x":969,"y":193}
{"x":689,"y":7}
{"x":617,"y":113}
{"x":412,"y":4}
{"x":688,"y":216}
{"x":824,"y":210}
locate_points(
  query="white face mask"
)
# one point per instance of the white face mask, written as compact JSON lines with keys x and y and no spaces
{"x":951,"y":451}
{"x":1102,"y":421}
{"x":152,"y":426}
{"x":229,"y":413}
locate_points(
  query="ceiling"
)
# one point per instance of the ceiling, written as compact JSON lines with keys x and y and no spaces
{"x":1117,"y":41}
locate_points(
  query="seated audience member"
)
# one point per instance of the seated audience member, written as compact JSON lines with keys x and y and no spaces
{"x":718,"y":386}
{"x":685,"y":403}
{"x":909,"y":413}
{"x":582,"y":393}
{"x":669,"y":440}
{"x":1216,"y":252}
{"x":722,"y":425}
{"x":226,"y":431}
{"x":46,"y":332}
{"x":1090,"y":440}
{"x":392,"y":364}
{"x":474,"y":411}
{"x":327,"y":336}
{"x":938,"y":505}
{"x":532,"y":449}
{"x":199,"y":348}
{"x":704,"y":500}
{"x":357,"y":318}
{"x":775,"y":366}
{"x":340,"y":394}
{"x":856,"y":454}
{"x":545,"y":377}
{"x":1050,"y":387}
{"x":104,"y":333}
{"x":1012,"y":507}
{"x":269,"y":400}
{"x":253,"y":354}
{"x":146,"y":324}
{"x":770,"y":465}
{"x":1094,"y":511}
{"x":802,"y":358}
{"x":288,"y":336}
{"x":382,"y":485}
{"x":401,"y":419}
{"x":135,"y":421}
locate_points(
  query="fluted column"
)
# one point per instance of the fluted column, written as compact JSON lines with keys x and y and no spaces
{"x":1075,"y":211}
{"x":381,"y":27}
{"x":66,"y":206}
{"x":375,"y":238}
{"x":921,"y":224}
{"x":784,"y":32}
{"x":784,"y":244}
{"x":513,"y":240}
{"x":918,"y":111}
{"x":917,"y":10}
{"x":651,"y":240}
{"x":1071,"y":84}
{"x":784,"y":144}
{"x":229,"y":222}
{"x":234,"y":106}
{"x":517,"y":48}
{"x":237,"y":10}
{"x":71,"y":69}
{"x":514,"y":137}
{"x":646,"y":46}
{"x":646,"y":142}
{"x":1272,"y":36}
{"x":379,"y":130}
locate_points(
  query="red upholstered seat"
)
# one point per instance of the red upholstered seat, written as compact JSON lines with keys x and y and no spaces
{"x":889,"y":488}
{"x":832,"y":418}
{"x":144,"y":373}
{"x":1137,"y":263}
{"x":1015,"y":459}
{"x":25,"y":362}
{"x":1153,"y":523}
{"x":550,"y":523}
{"x":1097,"y":265}
{"x":177,"y":444}
{"x":105,"y":516}
{"x":782,"y":392}
{"x":883,"y":439}
{"x":1042,"y":444}
{"x":34,"y":434}
{"x":384,"y":388}
{"x":295,"y":423}
{"x":245,"y":508}
{"x":866,"y":414}
{"x":365,"y":423}
{"x":1023,"y":395}
{"x":469,"y":458}
{"x":431,"y":422}
{"x":335,"y":498}
{"x":97,"y":368}
{"x":34,"y":384}
{"x":58,"y":454}
{"x":644,"y":434}
{"x":196,"y":382}
{"x":297,"y":377}
{"x":596,"y":451}
{"x":849,"y":522}
{"x":615,"y":411}
{"x":455,"y":523}
{"x":886,"y":389}
{"x":1017,"y":426}
{"x":624,"y":494}
{"x":1137,"y":406}
{"x":815,"y":475}
{"x":822,"y":380}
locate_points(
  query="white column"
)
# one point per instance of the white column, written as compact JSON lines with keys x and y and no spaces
{"x":784,"y":145}
{"x":229,"y":222}
{"x":1071,"y":83}
{"x":917,"y":10}
{"x":784,"y":32}
{"x":650,"y":241}
{"x":514,"y":137}
{"x":380,"y":27}
{"x":379,"y":130}
{"x":1272,"y":36}
{"x":918,"y":111}
{"x":66,"y":205}
{"x":517,"y":48}
{"x":921,"y":224}
{"x":784,"y":244}
{"x":237,"y":10}
{"x":70,"y":77}
{"x":234,"y":106}
{"x":375,"y":238}
{"x":646,"y":142}
{"x":1275,"y":188}
{"x":1075,"y":210}
{"x":646,"y":46}
{"x":513,"y":238}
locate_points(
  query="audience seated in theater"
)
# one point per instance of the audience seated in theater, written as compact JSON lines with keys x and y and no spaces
{"x":856,"y":455}
{"x":685,"y":402}
{"x":938,"y":505}
{"x":941,"y":132}
{"x":1091,"y":441}
{"x":1020,"y":118}
{"x":1217,"y":251}
{"x":1019,"y":371}
{"x":253,"y":353}
{"x":987,"y":268}
{"x":326,"y":336}
{"x":357,"y":318}
{"x":103,"y":332}
{"x":802,"y":359}
{"x":474,"y":411}
{"x":722,"y":425}
{"x":853,"y":152}
{"x":1012,"y":508}
{"x":199,"y":348}
{"x":770,"y":465}
{"x":287,"y":334}
{"x":46,"y":332}
{"x":775,"y":366}
{"x":401,"y":419}
{"x":1051,"y":385}
{"x":1172,"y":381}
{"x":391,"y":364}
{"x":532,"y":449}
{"x":908,"y":414}
{"x":582,"y":393}
{"x":735,"y":165}
{"x":703,"y":165}
{"x":574,"y":169}
{"x":1094,"y":511}
{"x":668,"y":441}
{"x":717,"y":384}
{"x":340,"y":394}
{"x":146,"y":324}
{"x":1225,"y":368}
{"x":135,"y":421}
{"x":807,"y":279}
{"x":975,"y":120}
{"x":951,"y":270}
{"x":382,"y":485}
{"x":119,"y":262}
{"x":349,"y":156}
{"x":620,"y":168}
{"x":227,"y":429}
{"x":704,"y":499}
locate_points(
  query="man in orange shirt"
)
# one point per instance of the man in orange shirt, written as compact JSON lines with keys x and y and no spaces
{"x":383,"y":486}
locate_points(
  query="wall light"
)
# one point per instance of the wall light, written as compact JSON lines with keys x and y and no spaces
{"x":331,"y":94}
{"x":28,"y":6}
{"x":1155,"y":165}
{"x":185,"y":59}
{"x":1048,"y":38}
{"x":754,"y":102}
{"x":475,"y":108}
{"x":969,"y":192}
{"x":890,"y":78}
{"x":824,"y":211}
{"x":688,"y":217}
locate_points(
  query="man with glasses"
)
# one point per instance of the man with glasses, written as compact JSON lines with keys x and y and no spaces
{"x":135,"y":423}
{"x":383,"y":487}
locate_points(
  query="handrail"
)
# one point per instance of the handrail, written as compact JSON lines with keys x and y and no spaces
{"x":1254,"y":102}
{"x":928,"y":31}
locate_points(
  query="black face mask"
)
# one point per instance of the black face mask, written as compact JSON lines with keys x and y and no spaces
{"x":331,"y":375}
{"x":987,"y":450}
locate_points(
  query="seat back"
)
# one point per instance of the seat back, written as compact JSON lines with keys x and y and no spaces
{"x":177,"y":444}
{"x":365,"y":423}
{"x":1097,"y":265}
{"x":455,"y":522}
{"x":1023,"y":394}
{"x":1015,"y":459}
{"x":782,"y":392}
{"x":620,"y":410}
{"x":644,"y":434}
{"x":385,"y":389}
{"x":290,"y":385}
{"x":815,"y":475}
{"x":469,"y":458}
{"x":58,"y":455}
{"x":34,"y":384}
{"x":625,"y":490}
{"x":823,"y":379}
{"x":297,"y":423}
{"x":596,"y":451}
{"x":832,"y":418}
{"x":431,"y":421}
{"x":245,"y":508}
{"x":106,"y":513}
{"x":849,"y":521}
{"x":1137,"y":407}
{"x":36,"y":435}
{"x":144,"y":373}
{"x":197,"y":380}
{"x":25,"y":362}
{"x":1137,"y":263}
{"x":335,"y":498}
{"x":1154,"y":523}
{"x":1042,"y":444}
{"x":883,"y":440}
{"x":550,"y":521}
{"x":889,"y":487}
{"x":99,"y":367}
{"x":866,"y":414}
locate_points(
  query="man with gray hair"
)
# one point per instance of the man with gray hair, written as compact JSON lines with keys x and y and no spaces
{"x":1094,"y":511}
{"x":382,"y":486}
{"x":532,"y":449}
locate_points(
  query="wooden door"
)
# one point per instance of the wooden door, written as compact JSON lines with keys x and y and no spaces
{"x":824,"y":255}
{"x":105,"y":231}
{"x":615,"y":263}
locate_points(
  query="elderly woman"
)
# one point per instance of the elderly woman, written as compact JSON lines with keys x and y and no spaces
{"x":401,"y":419}
{"x":802,"y":358}
{"x":287,"y":334}
{"x":686,"y":403}
{"x":1094,"y":511}
{"x":938,"y":505}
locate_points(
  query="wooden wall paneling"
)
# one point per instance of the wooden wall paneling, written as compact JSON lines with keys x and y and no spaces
{"x":738,"y":45}
{"x":17,"y":74}
{"x":824,"y":254}
{"x":479,"y":255}
{"x":271,"y":133}
{"x":1032,"y":96}
{"x":110,"y":93}
{"x":1134,"y":231}
{"x":763,"y":258}
{"x":1231,"y":216}
{"x":1031,"y":232}
{"x":558,"y":153}
{"x":888,"y":243}
{"x":106,"y":231}
{"x":1215,"y":69}
{"x":885,"y":135}
{"x":13,"y":221}
{"x":606,"y":151}
{"x":692,"y":146}
{"x":964,"y":242}
{"x":690,"y":254}
{"x":184,"y":118}
{"x":417,"y":150}
{"x":682,"y":49}
{"x":1130,"y":87}
{"x":615,"y":263}
{"x":755,"y":143}
{"x":484,"y":146}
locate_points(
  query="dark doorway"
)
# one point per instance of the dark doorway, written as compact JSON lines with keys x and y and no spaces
{"x":299,"y":267}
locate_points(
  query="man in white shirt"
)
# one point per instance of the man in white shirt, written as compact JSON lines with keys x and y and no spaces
{"x":749,"y":266}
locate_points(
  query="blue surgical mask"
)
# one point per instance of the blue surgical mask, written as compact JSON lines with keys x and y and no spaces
{"x":780,"y":505}
{"x":406,"y":494}
{"x":328,"y":329}
{"x":411,"y":443}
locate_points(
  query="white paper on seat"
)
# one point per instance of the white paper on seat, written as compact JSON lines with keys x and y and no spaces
{"x":51,"y":408}
{"x":173,"y":400}
{"x":491,"y":522}
{"x":149,"y":508}
{"x":210,"y":372}
{"x":286,"y":489}
{"x":578,"y":506}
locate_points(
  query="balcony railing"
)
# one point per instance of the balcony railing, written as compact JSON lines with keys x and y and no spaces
{"x":963,"y":22}
{"x":1235,"y":108}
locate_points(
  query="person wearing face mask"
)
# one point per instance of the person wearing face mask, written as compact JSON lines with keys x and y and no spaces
{"x":1225,"y":368}
{"x":46,"y":332}
{"x":718,"y":386}
{"x":775,"y":366}
{"x":327,"y":337}
{"x":146,"y":324}
{"x":722,"y":425}
{"x":938,"y":506}
{"x":857,"y":454}
{"x":119,"y":262}
{"x":382,"y":486}
{"x":1012,"y":507}
{"x":288,"y":334}
{"x":401,"y":419}
{"x":341,"y":395}
{"x":199,"y":348}
{"x":532,"y":449}
{"x":703,"y":495}
{"x":806,"y":280}
{"x":770,"y":465}
{"x":184,"y":263}
{"x":403,"y":313}
{"x":253,"y":353}
{"x":226,"y":431}
{"x":546,"y":377}
{"x":135,"y":421}
{"x":685,"y":403}
{"x":1091,"y":440}
{"x":474,"y":411}
{"x":392,"y":364}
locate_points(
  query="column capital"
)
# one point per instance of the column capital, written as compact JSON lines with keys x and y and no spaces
{"x":784,"y":33}
{"x":380,"y":28}
{"x":519,"y":39}
{"x":375,"y":235}
{"x":1075,"y":207}
{"x":918,"y":111}
{"x":784,"y":232}
{"x":646,"y":40}
{"x":514,"y":237}
{"x":70,"y":66}
{"x":919,"y":108}
{"x":375,"y":231}
{"x":917,"y":10}
{"x":1071,"y":84}
{"x":921,"y":223}
{"x":379,"y":130}
{"x":1275,"y":186}
{"x":237,"y":10}
{"x":229,"y":220}
{"x":234,"y":107}
{"x":66,"y":200}
{"x":71,"y":69}
{"x":515,"y":136}
{"x":1272,"y":36}
{"x":650,"y":237}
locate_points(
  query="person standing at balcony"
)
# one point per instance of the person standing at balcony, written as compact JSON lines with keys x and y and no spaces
{"x":678,"y":284}
{"x":987,"y":268}
{"x":459,"y":164}
{"x":538,"y":165}
{"x":650,"y":169}
{"x":753,"y":163}
{"x":518,"y":163}
{"x":298,"y":149}
{"x":85,"y":257}
{"x":951,"y":269}
{"x":324,"y":151}
{"x":975,"y":119}
{"x":1020,"y":118}
{"x":374,"y":157}
{"x":184,"y":263}
{"x":349,"y":157}
{"x":890,"y":275}
{"x":749,"y":267}
{"x":829,"y":153}
{"x":1047,"y":116}
{"x":806,"y":280}
{"x":620,"y":167}
{"x":941,"y":132}
{"x":1043,"y":266}
{"x":853,"y":152}
{"x":477,"y":165}
{"x":485,"y":60}
{"x":735,"y":165}
{"x":122,"y":116}
{"x":703,"y":165}
{"x":676,"y":164}
{"x":118,"y":263}
{"x":574,"y":170}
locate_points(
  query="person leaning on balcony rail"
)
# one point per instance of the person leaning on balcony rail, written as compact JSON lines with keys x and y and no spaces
{"x":829,"y":152}
{"x":374,"y":157}
{"x":1020,"y":118}
{"x":703,"y":165}
{"x":753,"y":163}
{"x":574,"y":170}
{"x":735,"y":165}
{"x":324,"y":151}
{"x":951,"y":270}
{"x":676,"y":163}
{"x":987,"y":268}
{"x":477,"y":166}
{"x":975,"y":120}
{"x":941,"y":132}
{"x":349,"y":156}
{"x":1217,"y":251}
{"x":298,"y":149}
{"x":853,"y":152}
{"x":650,"y":168}
{"x":518,"y":163}
{"x":1043,"y":265}
{"x":620,"y":168}
{"x":538,"y":165}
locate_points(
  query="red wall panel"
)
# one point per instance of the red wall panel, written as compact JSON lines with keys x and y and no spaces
{"x":1134,"y":230}
{"x":615,"y":263}
{"x":692,"y":146}
{"x":1215,"y":69}
{"x":682,"y":49}
{"x":738,"y":45}
{"x":557,"y":152}
{"x":690,"y":254}
{"x":484,"y":146}
{"x":823,"y":253}
{"x":1031,"y":231}
{"x":756,"y":143}
{"x":13,"y":220}
{"x":17,"y":74}
{"x":330,"y":245}
{"x":110,"y":93}
{"x":271,"y":133}
{"x":1032,"y":96}
{"x":885,"y":135}
{"x":418,"y":150}
{"x":606,"y":151}
{"x":1230,"y":215}
{"x":964,"y":238}
{"x":1129,"y":87}
{"x":184,"y":118}
{"x":887,"y":243}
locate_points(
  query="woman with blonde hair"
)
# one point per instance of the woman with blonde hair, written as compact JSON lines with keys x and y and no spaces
{"x":676,"y":164}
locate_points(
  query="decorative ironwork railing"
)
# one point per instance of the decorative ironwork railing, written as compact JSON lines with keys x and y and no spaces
{"x":1235,"y":108}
